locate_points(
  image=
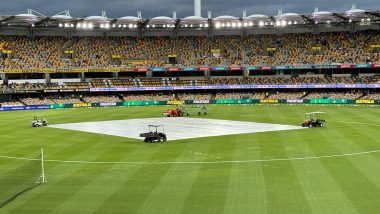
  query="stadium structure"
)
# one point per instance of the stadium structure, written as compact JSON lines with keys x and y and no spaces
{"x":245,"y":85}
{"x":60,"y":53}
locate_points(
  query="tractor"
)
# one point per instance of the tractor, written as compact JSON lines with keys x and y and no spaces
{"x":314,"y":119}
{"x":175,"y":112}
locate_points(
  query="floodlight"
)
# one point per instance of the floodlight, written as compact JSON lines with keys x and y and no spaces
{"x":223,"y":25}
{"x":153,"y":26}
{"x":261,"y":23}
{"x":79,"y":25}
{"x":206,"y":25}
{"x":191,"y":25}
{"x":72,"y":25}
{"x":283,"y":23}
{"x":350,"y":20}
{"x":60,"y":24}
{"x":250,"y":24}
{"x":101,"y":26}
{"x":114,"y":25}
{"x":84,"y":25}
{"x":124,"y":26}
{"x":217,"y":25}
{"x":278,"y":23}
{"x":295,"y":22}
{"x":328,"y":22}
{"x":130,"y":25}
{"x":228,"y":24}
{"x":239,"y":24}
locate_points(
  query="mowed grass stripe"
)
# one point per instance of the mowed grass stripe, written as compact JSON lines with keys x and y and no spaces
{"x":320,"y":188}
{"x":281,"y":182}
{"x":291,"y":181}
{"x":246,"y":183}
{"x":172,"y":189}
{"x":92,"y":148}
{"x":55,"y":172}
{"x":133,"y":192}
{"x":353,"y":183}
{"x":368,"y":165}
{"x":101,"y":186}
{"x":67,"y":179}
{"x":246,"y":192}
{"x":211,"y":182}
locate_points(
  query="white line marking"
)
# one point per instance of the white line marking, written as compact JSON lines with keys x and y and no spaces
{"x":194,"y":162}
{"x":368,"y":124}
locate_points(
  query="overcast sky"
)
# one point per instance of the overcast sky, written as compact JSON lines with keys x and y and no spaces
{"x":152,"y":8}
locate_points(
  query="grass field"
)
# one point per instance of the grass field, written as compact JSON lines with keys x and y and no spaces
{"x":335,"y":169}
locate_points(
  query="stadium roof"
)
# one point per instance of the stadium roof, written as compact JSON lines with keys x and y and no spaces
{"x":194,"y":19}
{"x":65,"y":20}
{"x":225,"y":18}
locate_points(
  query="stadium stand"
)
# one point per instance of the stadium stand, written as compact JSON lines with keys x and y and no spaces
{"x":151,"y":82}
{"x":41,"y":53}
{"x":122,"y":83}
{"x":76,"y":85}
{"x":147,"y":97}
{"x":193,"y":96}
{"x":44,"y":52}
{"x":334,"y":95}
{"x":101,"y":99}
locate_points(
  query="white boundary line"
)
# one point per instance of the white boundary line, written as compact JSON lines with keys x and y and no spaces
{"x":358,"y":123}
{"x":196,"y":162}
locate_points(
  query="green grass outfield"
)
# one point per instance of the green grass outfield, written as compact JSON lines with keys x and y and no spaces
{"x":335,"y":169}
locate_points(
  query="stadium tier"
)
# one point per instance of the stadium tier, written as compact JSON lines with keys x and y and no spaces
{"x":99,"y":84}
{"x":58,"y":70}
{"x":336,"y":48}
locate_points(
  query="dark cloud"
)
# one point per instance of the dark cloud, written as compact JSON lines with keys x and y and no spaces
{"x":152,"y":8}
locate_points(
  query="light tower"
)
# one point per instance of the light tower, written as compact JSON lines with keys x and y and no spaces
{"x":197,"y":8}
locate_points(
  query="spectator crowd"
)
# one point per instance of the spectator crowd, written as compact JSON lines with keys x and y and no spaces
{"x":46,"y":52}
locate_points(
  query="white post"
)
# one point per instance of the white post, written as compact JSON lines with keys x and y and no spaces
{"x":42,"y":179}
{"x":42,"y":166}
